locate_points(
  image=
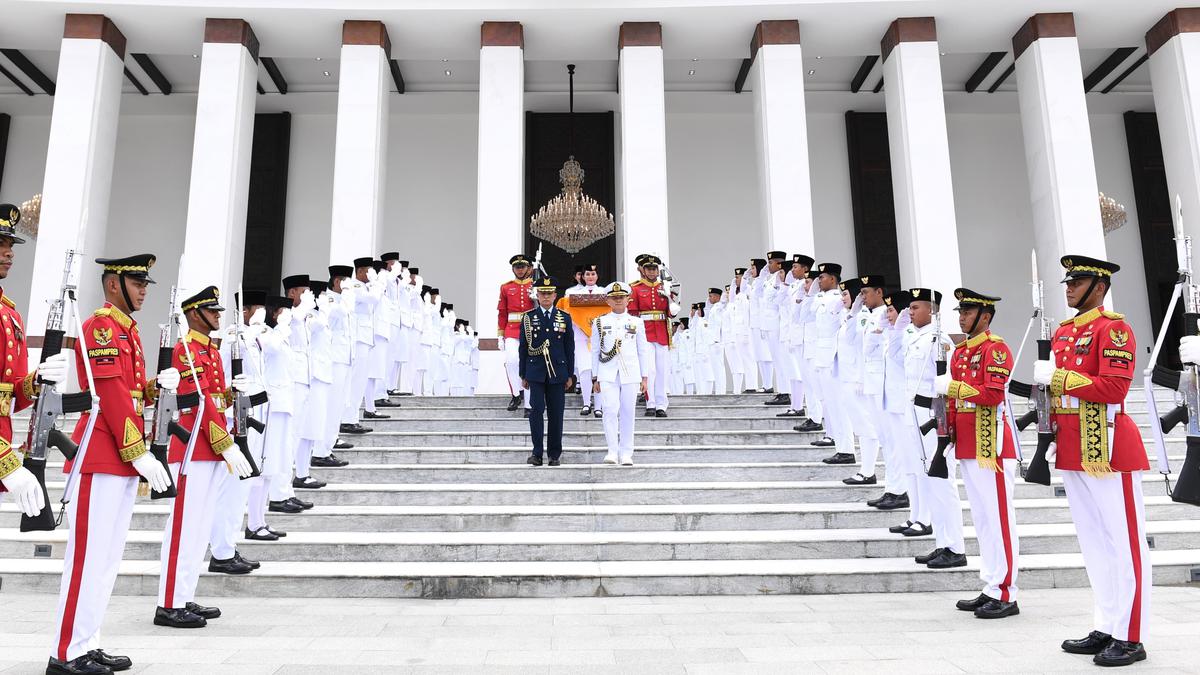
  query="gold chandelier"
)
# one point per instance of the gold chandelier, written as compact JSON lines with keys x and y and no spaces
{"x":572,"y":220}
{"x":1112,"y":213}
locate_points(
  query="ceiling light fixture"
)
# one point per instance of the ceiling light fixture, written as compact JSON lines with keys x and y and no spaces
{"x":325,"y":73}
{"x":818,"y":58}
{"x":691,"y":72}
{"x":195,"y":56}
{"x":810,"y":72}
{"x":447,"y":73}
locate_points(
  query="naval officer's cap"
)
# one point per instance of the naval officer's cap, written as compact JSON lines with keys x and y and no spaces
{"x":616,"y":290}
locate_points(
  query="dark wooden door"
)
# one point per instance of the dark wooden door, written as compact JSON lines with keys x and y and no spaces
{"x":262,"y":266}
{"x":871,"y":196}
{"x":548,"y":143}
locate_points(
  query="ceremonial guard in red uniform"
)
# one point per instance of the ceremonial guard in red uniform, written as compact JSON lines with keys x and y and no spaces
{"x":984,"y":447}
{"x":651,"y":301}
{"x":514,"y":302}
{"x":101,"y":499}
{"x":189,"y":524}
{"x":1099,"y":451}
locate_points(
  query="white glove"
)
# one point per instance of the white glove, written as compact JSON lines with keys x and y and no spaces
{"x":153,"y":471}
{"x":25,"y":491}
{"x":258,"y":317}
{"x":351,"y":285}
{"x":904,"y":318}
{"x":238,"y":464}
{"x":168,"y":379}
{"x":54,"y":369}
{"x":941,"y":384}
{"x":404,"y":275}
{"x":1051,"y":453}
{"x":1189,"y":349}
{"x":1043,"y":372}
{"x":284,"y":318}
{"x":244,"y":384}
{"x":372,"y":275}
{"x":307,"y":302}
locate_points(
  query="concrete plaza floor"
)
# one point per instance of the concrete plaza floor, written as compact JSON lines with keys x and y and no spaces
{"x":868,"y":633}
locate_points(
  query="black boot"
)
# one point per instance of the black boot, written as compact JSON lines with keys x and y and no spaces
{"x":178,"y":617}
{"x":1094,"y":643}
{"x":1120,"y":653}
{"x":117,"y":663}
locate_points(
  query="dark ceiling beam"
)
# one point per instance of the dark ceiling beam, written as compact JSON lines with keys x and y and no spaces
{"x":153,"y":73}
{"x":276,"y":76}
{"x":20,"y":85}
{"x":878,"y":86}
{"x":743,"y":72}
{"x":1107,"y":66}
{"x":397,"y":78}
{"x":31,"y":71}
{"x":861,"y":76}
{"x":136,"y":83}
{"x":989,"y":64}
{"x":1128,"y":71}
{"x":260,"y":89}
{"x":1003,"y":76}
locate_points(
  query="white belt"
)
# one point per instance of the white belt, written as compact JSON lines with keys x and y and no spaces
{"x":515,"y":317}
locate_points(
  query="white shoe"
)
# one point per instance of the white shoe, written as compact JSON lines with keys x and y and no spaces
{"x":628,"y":461}
{"x":610,"y":459}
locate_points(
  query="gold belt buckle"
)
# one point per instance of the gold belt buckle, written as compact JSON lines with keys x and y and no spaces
{"x":5,"y":404}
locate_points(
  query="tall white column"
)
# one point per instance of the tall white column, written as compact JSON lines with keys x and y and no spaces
{"x":500,"y":218}
{"x":781,"y":134}
{"x":1058,"y":148}
{"x":360,"y":146}
{"x":1174,"y":48}
{"x":79,"y":161}
{"x":215,"y":240}
{"x":643,"y":145}
{"x":926,"y":229}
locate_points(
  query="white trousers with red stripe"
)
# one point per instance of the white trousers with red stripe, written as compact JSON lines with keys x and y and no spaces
{"x":990,"y":495}
{"x":99,"y":514}
{"x":185,"y":537}
{"x":1110,"y":521}
{"x":233,"y":495}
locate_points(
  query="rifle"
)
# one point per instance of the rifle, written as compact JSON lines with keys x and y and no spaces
{"x":52,"y":404}
{"x":1038,"y":471}
{"x":165,"y":422}
{"x":937,"y":466}
{"x":241,"y":402}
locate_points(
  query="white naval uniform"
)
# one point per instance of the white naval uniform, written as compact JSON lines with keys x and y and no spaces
{"x":715,"y":313}
{"x":740,"y":352}
{"x":773,"y":294}
{"x":341,"y":351}
{"x":277,"y":441}
{"x":901,"y":421}
{"x":862,"y":409}
{"x":365,"y":300}
{"x":233,"y":493}
{"x":312,"y":428}
{"x":940,"y":495}
{"x":620,"y":377}
{"x":828,"y":313}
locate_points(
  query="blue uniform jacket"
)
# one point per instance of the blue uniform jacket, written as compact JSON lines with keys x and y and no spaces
{"x":559,"y":341}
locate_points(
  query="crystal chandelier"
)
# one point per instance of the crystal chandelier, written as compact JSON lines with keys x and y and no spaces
{"x":31,"y":215}
{"x":572,"y":220}
{"x":1112,"y":213}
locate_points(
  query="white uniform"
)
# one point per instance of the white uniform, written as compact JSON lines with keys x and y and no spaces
{"x":828,"y":313}
{"x":861,"y":407}
{"x":341,"y":352}
{"x":620,"y":375}
{"x":805,"y":318}
{"x":313,"y":428}
{"x":773,"y":293}
{"x":901,"y":420}
{"x":759,"y":327}
{"x":583,"y":367}
{"x":277,"y":443}
{"x":365,"y":300}
{"x":715,"y":313}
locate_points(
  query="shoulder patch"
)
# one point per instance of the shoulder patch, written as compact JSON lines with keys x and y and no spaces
{"x":8,"y":301}
{"x":995,"y":338}
{"x":639,"y":282}
{"x":1066,"y":322}
{"x":131,"y":434}
{"x":1116,"y":316}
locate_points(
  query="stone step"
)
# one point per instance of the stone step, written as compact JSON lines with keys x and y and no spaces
{"x":597,"y":546}
{"x":403,"y":474}
{"x":583,"y":579}
{"x":644,"y":434}
{"x":615,"y":518}
{"x":574,"y":422}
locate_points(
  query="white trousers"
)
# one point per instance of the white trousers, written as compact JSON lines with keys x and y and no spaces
{"x":359,"y":370}
{"x":904,"y":477}
{"x":185,"y":536}
{"x":620,"y":401}
{"x":1110,"y":521}
{"x":99,"y":514}
{"x":781,"y":362}
{"x":717,"y":358}
{"x":233,"y":494}
{"x":337,"y":392}
{"x":512,"y":364}
{"x":814,"y":409}
{"x":863,"y":412}
{"x":940,"y":495}
{"x":310,"y":438}
{"x":990,"y":494}
{"x":277,"y":456}
{"x":795,"y":385}
{"x":894,"y":478}
{"x":836,"y":417}
{"x":656,"y":387}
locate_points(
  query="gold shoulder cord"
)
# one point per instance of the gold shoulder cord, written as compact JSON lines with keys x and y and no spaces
{"x":542,"y":351}
{"x":607,"y":355}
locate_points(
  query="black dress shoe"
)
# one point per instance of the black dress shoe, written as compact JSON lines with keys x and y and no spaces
{"x":839,"y":458}
{"x":308,"y":483}
{"x":750,"y":391}
{"x":200,"y":610}
{"x":513,"y":403}
{"x":649,"y":412}
{"x":283,"y":507}
{"x":973,"y":604}
{"x":892,"y":502}
{"x":355,"y":428}
{"x":228,"y":566}
{"x":599,"y":414}
{"x":367,"y":414}
{"x":534,"y":460}
{"x":997,"y":609}
{"x":525,"y":413}
{"x":1094,"y":643}
{"x":324,"y":462}
{"x":947,"y":559}
{"x":278,"y":533}
{"x":385,"y":403}
{"x":394,"y":392}
{"x":790,"y":413}
{"x":808,"y":426}
{"x":254,"y":564}
{"x":780,"y":399}
{"x":554,"y":462}
{"x":81,"y":665}
{"x":585,"y":410}
{"x":296,"y":501}
{"x":178,"y":617}
{"x":923,"y":559}
{"x":1120,"y":653}
{"x":342,"y":445}
{"x":768,"y":390}
{"x":880,"y":498}
{"x":261,"y":534}
{"x":918,"y":529}
{"x":897,"y":529}
{"x":339,"y":460}
{"x":859,"y":479}
{"x":660,"y":413}
{"x":117,"y":663}
{"x":824,"y":442}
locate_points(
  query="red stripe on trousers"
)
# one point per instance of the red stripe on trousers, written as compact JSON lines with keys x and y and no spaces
{"x":1135,"y":553}
{"x":1005,"y":532}
{"x":176,"y":530}
{"x":79,"y":530}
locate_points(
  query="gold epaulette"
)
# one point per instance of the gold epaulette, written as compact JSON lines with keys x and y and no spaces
{"x":8,"y":301}
{"x":103,"y":311}
{"x":639,"y":281}
{"x":962,"y":344}
{"x":995,"y":338}
{"x":1115,"y":316}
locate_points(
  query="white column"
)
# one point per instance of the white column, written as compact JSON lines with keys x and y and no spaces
{"x":360,"y":146}
{"x":500,"y":202}
{"x":1058,"y":148}
{"x":79,"y":161}
{"x":926,"y":230}
{"x":643,"y":146}
{"x":215,"y":240}
{"x":781,"y":135}
{"x":1174,"y":48}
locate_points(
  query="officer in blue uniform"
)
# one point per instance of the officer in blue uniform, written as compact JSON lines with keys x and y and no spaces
{"x":547,"y":365}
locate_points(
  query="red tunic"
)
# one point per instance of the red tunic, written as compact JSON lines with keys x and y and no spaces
{"x":1095,"y":355}
{"x":980,"y":367}
{"x":16,"y":383}
{"x":112,"y":346}
{"x":213,"y":436}
{"x":646,"y":300}
{"x":514,"y":301}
